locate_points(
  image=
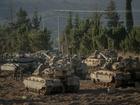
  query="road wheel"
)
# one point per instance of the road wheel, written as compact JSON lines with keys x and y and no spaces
{"x":76,"y":89}
{"x":42,"y":91}
{"x":93,"y":80}
{"x":27,"y":89}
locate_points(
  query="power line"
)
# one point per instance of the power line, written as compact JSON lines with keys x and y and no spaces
{"x":95,"y":11}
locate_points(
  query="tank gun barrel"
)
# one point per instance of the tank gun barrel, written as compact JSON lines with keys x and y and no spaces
{"x":37,"y":71}
{"x":103,"y":56}
{"x":46,"y":55}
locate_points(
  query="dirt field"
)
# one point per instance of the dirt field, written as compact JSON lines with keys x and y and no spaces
{"x":13,"y":93}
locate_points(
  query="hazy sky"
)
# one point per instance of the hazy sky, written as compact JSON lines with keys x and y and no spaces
{"x":46,"y":8}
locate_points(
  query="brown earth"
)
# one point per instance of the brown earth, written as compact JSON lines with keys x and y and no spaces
{"x":13,"y":93}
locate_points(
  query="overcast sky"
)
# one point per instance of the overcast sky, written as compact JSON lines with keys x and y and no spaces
{"x":46,"y":8}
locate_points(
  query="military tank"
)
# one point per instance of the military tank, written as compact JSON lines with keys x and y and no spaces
{"x":9,"y":67}
{"x":44,"y":86}
{"x":132,"y":64}
{"x":11,"y":70}
{"x":99,"y":59}
{"x":108,"y":78}
{"x":79,"y":67}
{"x":60,"y":76}
{"x":115,"y":72}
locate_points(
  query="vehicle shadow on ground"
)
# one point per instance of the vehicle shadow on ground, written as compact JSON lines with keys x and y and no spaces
{"x":22,"y":101}
{"x":91,"y":91}
{"x":18,"y":101}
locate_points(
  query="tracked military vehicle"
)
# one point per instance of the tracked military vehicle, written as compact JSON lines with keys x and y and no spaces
{"x":57,"y":77}
{"x":43,"y":85}
{"x":114,"y":72}
{"x":10,"y":70}
{"x":79,"y":67}
{"x":28,"y":64}
{"x":9,"y":67}
{"x":108,"y":78}
{"x":99,"y":59}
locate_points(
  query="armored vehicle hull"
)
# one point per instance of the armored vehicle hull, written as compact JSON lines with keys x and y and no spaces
{"x":8,"y":67}
{"x":72,"y":84}
{"x":108,"y":78}
{"x":51,"y":85}
{"x":57,"y":76}
{"x":43,"y":86}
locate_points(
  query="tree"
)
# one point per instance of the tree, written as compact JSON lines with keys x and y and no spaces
{"x":131,"y":43}
{"x":45,"y":40}
{"x":68,"y":34}
{"x":23,"y":22}
{"x":76,"y":36}
{"x":36,"y":20}
{"x":21,"y":37}
{"x":119,"y":34}
{"x":116,"y":31}
{"x":95,"y":30}
{"x":23,"y":26}
{"x":112,"y":15}
{"x":102,"y":40}
{"x":86,"y":43}
{"x":129,"y":15}
{"x":40,"y":40}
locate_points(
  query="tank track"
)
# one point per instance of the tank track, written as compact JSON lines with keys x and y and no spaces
{"x":104,"y":85}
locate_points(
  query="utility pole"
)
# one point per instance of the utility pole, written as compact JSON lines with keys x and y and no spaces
{"x":58,"y":33}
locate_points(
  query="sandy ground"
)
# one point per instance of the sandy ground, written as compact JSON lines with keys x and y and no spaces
{"x":13,"y":93}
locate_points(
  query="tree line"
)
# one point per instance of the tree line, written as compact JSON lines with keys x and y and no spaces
{"x":83,"y":36}
{"x":24,"y":34}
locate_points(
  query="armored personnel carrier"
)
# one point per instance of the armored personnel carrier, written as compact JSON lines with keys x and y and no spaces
{"x":57,"y":77}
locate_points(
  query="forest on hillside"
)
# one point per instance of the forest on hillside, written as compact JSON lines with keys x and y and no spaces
{"x":84,"y":36}
{"x":24,"y":34}
{"x":80,"y":36}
